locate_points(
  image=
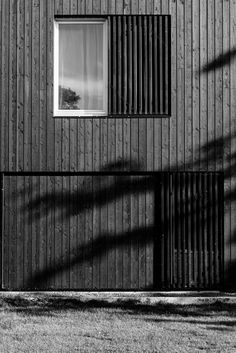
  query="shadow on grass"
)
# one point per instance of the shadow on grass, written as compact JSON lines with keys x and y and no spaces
{"x":50,"y":305}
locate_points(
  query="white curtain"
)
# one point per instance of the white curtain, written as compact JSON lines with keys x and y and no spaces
{"x":81,"y":63}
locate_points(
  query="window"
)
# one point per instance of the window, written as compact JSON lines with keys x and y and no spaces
{"x":80,"y":68}
{"x":118,"y":65}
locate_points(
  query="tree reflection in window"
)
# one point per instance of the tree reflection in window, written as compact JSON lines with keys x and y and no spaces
{"x":68,"y":99}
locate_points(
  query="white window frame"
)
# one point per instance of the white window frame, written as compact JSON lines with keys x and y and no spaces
{"x":73,"y":112}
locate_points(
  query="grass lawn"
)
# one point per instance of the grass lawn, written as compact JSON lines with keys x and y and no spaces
{"x":60,"y":323}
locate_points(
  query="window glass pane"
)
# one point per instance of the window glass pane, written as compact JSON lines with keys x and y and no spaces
{"x":81,"y":83}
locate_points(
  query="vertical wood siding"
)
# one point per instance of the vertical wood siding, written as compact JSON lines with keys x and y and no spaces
{"x":200,"y":135}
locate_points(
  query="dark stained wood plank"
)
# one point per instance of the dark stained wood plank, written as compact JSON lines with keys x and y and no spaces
{"x":42,"y":233}
{"x":134,"y":241}
{"x":173,"y":120}
{"x":157,"y":122}
{"x":12,"y":88}
{"x":35,"y":85}
{"x":195,"y":84}
{"x":5,"y":83}
{"x":188,"y":138}
{"x":20,"y":83}
{"x":111,"y":208}
{"x":104,"y":7}
{"x":142,"y":225}
{"x":149,"y":226}
{"x":50,"y":241}
{"x":111,"y":223}
{"x":227,"y":108}
{"x":74,"y":7}
{"x":218,"y":85}
{"x":119,"y":233}
{"x":43,"y":87}
{"x":211,"y":83}
{"x":50,"y":133}
{"x":27,"y":221}
{"x":58,"y":232}
{"x":96,"y":189}
{"x":203,"y":84}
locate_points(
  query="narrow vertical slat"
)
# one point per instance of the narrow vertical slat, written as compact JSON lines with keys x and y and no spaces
{"x":153,"y":228}
{"x":50,"y":227}
{"x":96,"y":232}
{"x":183,"y":230}
{"x":171,"y":233}
{"x":195,"y":214}
{"x":5,"y":34}
{"x":162,"y":231}
{"x":43,"y":86}
{"x":160,"y":67}
{"x":119,"y":233}
{"x":96,"y":185}
{"x":203,"y":83}
{"x":111,"y":234}
{"x":81,"y":235}
{"x":174,"y":108}
{"x":195,"y":82}
{"x":145,"y":65}
{"x":119,"y":73}
{"x":167,"y":95}
{"x":12,"y":88}
{"x":141,"y":226}
{"x":50,"y":148}
{"x":167,"y":232}
{"x":210,"y":234}
{"x":103,"y":211}
{"x":35,"y":84}
{"x":205,"y":229}
{"x":216,"y":231}
{"x":211,"y":82}
{"x":134,"y":242}
{"x":66,"y":232}
{"x":58,"y":231}
{"x":111,"y":206}
{"x":199,"y":259}
{"x":150,"y":57}
{"x":178,"y":230}
{"x":129,"y":68}
{"x":188,"y":85}
{"x":200,"y":230}
{"x":140,"y":84}
{"x":114,"y":63}
{"x":136,"y":66}
{"x":228,"y":37}
{"x":124,"y":59}
{"x":219,"y":85}
{"x":174,"y":231}
{"x":126,"y":233}
{"x":5,"y":244}
{"x":88,"y":235}
{"x":20,"y":82}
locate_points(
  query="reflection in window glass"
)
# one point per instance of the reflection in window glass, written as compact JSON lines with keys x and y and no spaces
{"x":81,"y":76}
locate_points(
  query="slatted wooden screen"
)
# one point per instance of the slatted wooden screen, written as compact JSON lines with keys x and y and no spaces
{"x":190,"y":214}
{"x":139,"y":65}
{"x":113,"y":232}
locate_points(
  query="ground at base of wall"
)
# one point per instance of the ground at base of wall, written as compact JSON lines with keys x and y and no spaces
{"x":116,"y":322}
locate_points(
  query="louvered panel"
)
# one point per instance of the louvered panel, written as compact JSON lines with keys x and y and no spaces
{"x":139,"y":80}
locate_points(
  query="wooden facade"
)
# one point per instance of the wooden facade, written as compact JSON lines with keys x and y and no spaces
{"x":199,"y":135}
